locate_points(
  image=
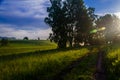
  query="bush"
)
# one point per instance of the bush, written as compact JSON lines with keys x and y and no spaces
{"x":4,"y":42}
{"x":25,"y":38}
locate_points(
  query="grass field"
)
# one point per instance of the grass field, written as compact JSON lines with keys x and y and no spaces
{"x":23,"y":46}
{"x":41,"y":60}
{"x":17,"y":62}
{"x":86,"y":68}
{"x":112,"y":62}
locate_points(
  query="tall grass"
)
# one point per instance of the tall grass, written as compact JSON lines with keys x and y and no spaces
{"x":42,"y":66}
{"x":112,"y":62}
{"x":85,"y":69}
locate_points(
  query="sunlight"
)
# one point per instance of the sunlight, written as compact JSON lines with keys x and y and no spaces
{"x":96,"y":30}
{"x":117,"y":14}
{"x":101,"y":29}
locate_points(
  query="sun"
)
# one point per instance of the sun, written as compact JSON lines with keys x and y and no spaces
{"x":117,"y":14}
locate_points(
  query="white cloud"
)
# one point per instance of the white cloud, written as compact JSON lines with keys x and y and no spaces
{"x":6,"y":30}
{"x":20,"y":11}
{"x":116,"y":13}
{"x":25,"y":8}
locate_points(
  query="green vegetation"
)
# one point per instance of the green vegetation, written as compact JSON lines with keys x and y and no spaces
{"x":43,"y":65}
{"x":85,"y":69}
{"x":70,"y":21}
{"x":112,"y":62}
{"x":34,"y":60}
{"x":23,"y":46}
{"x":4,"y":42}
{"x":73,"y":24}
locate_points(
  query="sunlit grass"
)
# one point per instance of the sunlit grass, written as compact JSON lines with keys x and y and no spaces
{"x":43,"y":66}
{"x":85,"y":69}
{"x":21,"y":46}
{"x":112,"y":62}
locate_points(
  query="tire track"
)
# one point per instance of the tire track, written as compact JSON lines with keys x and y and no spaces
{"x":65,"y":71}
{"x":100,"y":68}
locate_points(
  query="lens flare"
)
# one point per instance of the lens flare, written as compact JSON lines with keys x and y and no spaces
{"x":96,"y":30}
{"x":101,"y":29}
{"x":93,"y":31}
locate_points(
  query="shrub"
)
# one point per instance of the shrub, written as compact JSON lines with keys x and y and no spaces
{"x":4,"y":42}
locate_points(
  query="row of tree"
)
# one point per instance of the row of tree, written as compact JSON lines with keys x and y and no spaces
{"x":71,"y":22}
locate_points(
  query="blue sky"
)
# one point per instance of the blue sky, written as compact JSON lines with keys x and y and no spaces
{"x":19,"y":18}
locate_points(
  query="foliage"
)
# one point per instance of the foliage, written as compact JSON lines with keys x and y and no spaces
{"x":56,"y":19}
{"x":41,"y":65}
{"x":84,"y":24}
{"x":38,"y":38}
{"x":25,"y":38}
{"x":112,"y":62}
{"x":111,"y":23}
{"x":70,"y":20}
{"x":4,"y":42}
{"x":85,"y":69}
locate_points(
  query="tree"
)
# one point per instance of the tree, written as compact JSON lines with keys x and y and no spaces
{"x":111,"y":23}
{"x":70,"y":20}
{"x":56,"y":19}
{"x":25,"y":38}
{"x":4,"y":42}
{"x":83,"y":19}
{"x":38,"y":38}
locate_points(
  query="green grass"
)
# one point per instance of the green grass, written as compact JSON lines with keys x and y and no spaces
{"x":23,"y":46}
{"x":112,"y":62}
{"x":86,"y":68}
{"x":21,"y":61}
{"x":42,"y":67}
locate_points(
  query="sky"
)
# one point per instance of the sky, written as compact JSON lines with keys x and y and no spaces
{"x":20,"y":18}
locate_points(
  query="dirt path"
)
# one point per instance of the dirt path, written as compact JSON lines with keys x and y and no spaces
{"x":68,"y":69}
{"x":98,"y":75}
{"x":100,"y":69}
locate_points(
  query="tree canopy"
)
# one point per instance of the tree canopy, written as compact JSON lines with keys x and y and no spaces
{"x":70,"y":21}
{"x":111,"y":23}
{"x":26,"y":38}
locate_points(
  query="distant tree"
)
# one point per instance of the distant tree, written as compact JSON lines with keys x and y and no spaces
{"x":38,"y":38}
{"x":25,"y":38}
{"x":4,"y":42}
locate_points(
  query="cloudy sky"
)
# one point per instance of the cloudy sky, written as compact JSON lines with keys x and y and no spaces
{"x":19,"y":18}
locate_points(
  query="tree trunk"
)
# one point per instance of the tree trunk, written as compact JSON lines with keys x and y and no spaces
{"x":62,"y":44}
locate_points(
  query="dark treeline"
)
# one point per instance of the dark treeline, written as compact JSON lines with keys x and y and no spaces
{"x":71,"y":22}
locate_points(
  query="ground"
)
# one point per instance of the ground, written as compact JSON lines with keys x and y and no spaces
{"x":41,"y":60}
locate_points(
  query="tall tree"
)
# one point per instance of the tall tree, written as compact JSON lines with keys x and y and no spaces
{"x":57,"y":21}
{"x":70,"y":20}
{"x":84,"y":22}
{"x":69,"y":6}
